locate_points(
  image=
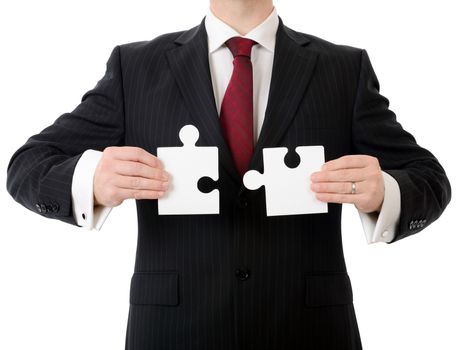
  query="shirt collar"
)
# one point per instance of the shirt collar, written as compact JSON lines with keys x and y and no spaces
{"x":218,"y":32}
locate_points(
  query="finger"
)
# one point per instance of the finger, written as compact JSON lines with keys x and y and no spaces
{"x":341,"y":175}
{"x":335,"y":187}
{"x":337,"y":198}
{"x":140,"y":183}
{"x":135,"y":154}
{"x":349,"y":161}
{"x":138,"y":169}
{"x":140,"y":194}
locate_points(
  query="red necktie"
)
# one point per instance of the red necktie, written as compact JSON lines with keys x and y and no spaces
{"x":236,"y":112}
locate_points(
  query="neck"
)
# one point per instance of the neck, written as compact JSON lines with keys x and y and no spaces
{"x":242,"y":15}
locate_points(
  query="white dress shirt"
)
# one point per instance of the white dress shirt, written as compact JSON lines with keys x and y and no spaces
{"x":378,"y":227}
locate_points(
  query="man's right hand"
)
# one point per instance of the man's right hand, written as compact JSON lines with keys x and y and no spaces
{"x":128,"y":172}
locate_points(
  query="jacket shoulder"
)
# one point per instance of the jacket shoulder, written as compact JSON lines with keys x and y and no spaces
{"x":158,"y":44}
{"x":325,"y":47}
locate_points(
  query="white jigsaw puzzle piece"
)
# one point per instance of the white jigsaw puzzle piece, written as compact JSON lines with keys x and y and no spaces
{"x":287,"y":190}
{"x":186,"y":165}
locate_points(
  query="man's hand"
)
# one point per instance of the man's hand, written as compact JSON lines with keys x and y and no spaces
{"x":128,"y":172}
{"x":334,"y":182}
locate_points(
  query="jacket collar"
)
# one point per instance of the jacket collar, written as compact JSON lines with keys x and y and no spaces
{"x":293,"y":65}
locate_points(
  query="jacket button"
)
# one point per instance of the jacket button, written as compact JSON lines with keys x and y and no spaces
{"x":43,"y":207}
{"x":414,"y":224}
{"x":242,"y":275}
{"x":38,"y":207}
{"x":55,"y":207}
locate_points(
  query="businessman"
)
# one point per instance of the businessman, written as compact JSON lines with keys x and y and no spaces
{"x":239,"y":279}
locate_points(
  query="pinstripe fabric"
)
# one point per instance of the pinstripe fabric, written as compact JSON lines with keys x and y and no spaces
{"x":184,"y":291}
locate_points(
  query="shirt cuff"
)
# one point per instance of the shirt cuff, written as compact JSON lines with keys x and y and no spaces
{"x":83,"y":209}
{"x":382,"y":226}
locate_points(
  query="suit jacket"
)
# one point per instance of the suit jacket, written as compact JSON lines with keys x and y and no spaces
{"x":240,"y":279}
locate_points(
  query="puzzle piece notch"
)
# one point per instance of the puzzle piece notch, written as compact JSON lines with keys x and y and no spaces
{"x":206,"y":184}
{"x":292,"y":159}
{"x":187,"y":165}
{"x":287,"y":190}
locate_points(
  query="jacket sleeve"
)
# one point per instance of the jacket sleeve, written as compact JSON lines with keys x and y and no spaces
{"x":39,"y":173}
{"x":424,"y":187}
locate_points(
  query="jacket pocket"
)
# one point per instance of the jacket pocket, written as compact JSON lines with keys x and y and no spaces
{"x":154,"y":288}
{"x":328,"y":289}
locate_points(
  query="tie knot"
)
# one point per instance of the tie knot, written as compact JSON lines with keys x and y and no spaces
{"x":240,"y":46}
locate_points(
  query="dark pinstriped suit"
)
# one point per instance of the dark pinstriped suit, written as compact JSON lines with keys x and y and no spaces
{"x":291,"y":290}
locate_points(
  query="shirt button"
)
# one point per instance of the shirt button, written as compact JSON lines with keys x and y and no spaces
{"x":242,"y":275}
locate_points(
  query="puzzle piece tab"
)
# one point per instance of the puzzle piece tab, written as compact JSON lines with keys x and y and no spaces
{"x":287,"y":191}
{"x":186,"y":165}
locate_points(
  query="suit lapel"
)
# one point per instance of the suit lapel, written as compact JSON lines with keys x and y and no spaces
{"x":293,"y":66}
{"x":189,"y":63}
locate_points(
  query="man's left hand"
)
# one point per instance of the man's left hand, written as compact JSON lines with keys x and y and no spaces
{"x":334,"y":182}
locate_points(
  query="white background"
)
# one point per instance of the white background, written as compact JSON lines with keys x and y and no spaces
{"x":62,"y":287}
